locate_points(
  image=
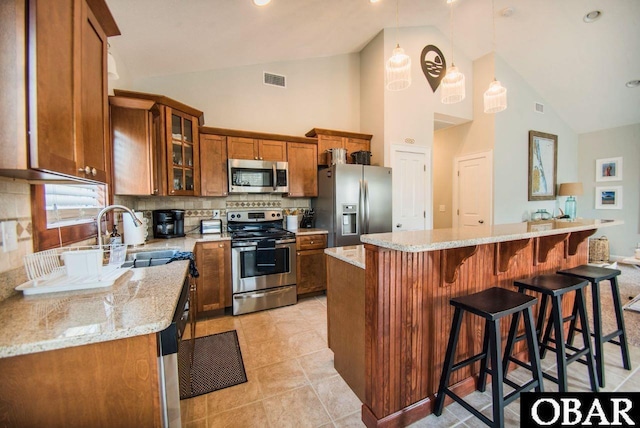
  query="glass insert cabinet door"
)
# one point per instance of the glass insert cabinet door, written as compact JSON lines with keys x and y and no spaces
{"x":183,"y":152}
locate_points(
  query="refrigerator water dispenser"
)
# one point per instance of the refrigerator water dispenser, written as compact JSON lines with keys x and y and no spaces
{"x":349,"y":219}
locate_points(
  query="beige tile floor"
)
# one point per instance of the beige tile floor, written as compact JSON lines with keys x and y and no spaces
{"x":292,"y":382}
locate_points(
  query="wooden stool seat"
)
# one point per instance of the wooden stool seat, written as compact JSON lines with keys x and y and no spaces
{"x":492,"y":304}
{"x":554,"y":287}
{"x":594,"y":275}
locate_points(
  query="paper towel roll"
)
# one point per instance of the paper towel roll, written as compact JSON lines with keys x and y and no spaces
{"x":134,"y":235}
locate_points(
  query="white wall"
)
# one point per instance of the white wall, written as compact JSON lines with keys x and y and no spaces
{"x":320,"y":92}
{"x":511,"y":148}
{"x":410,"y":113}
{"x":617,"y":142}
{"x":372,"y":95}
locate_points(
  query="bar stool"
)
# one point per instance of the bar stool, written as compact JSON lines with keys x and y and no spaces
{"x":594,"y":275}
{"x":554,"y":287}
{"x":492,"y":304}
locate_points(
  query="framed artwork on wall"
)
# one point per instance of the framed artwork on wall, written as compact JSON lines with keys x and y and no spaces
{"x":609,"y":198}
{"x":609,"y":169}
{"x":543,"y":159}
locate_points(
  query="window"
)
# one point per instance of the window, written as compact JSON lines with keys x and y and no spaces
{"x":71,"y":204}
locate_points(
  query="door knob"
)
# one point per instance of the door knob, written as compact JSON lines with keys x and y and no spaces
{"x":399,"y":225}
{"x":481,"y":221}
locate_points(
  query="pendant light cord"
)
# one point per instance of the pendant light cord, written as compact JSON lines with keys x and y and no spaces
{"x":397,"y":8}
{"x":451,"y":21}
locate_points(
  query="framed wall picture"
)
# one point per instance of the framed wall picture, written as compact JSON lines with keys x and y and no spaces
{"x":609,"y":198}
{"x":543,"y":154}
{"x":609,"y":169}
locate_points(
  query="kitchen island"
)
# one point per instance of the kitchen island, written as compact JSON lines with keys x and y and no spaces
{"x":410,"y":278}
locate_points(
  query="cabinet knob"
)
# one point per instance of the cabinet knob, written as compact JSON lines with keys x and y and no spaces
{"x":94,"y":171}
{"x":255,"y":158}
{"x":481,"y":221}
{"x":399,"y":225}
{"x":86,"y":170}
{"x":260,"y":157}
{"x":155,"y":191}
{"x":298,"y":253}
{"x":220,"y":245}
{"x":172,"y":192}
{"x":312,"y":242}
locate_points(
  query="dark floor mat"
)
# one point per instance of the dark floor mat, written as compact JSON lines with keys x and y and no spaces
{"x":217,"y":364}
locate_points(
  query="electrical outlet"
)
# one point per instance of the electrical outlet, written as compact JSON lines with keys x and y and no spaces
{"x":216,"y":214}
{"x":9,"y":236}
{"x":442,"y":208}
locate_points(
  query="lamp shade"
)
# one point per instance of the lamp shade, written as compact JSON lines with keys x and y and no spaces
{"x":398,"y":70}
{"x":452,"y":88}
{"x":112,"y":72}
{"x":570,"y":189}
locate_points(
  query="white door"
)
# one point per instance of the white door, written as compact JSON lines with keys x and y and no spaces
{"x":411,"y":169}
{"x":473,"y":195}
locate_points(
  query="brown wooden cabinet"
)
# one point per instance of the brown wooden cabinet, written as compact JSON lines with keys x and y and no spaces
{"x":133,"y":138}
{"x":329,"y":139}
{"x":303,"y":169}
{"x":54,"y":118}
{"x":256,"y":149}
{"x":213,"y":286}
{"x":169,"y":131}
{"x":213,"y":165}
{"x":310,"y":263}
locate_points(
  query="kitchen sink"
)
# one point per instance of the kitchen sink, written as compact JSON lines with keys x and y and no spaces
{"x":149,"y":258}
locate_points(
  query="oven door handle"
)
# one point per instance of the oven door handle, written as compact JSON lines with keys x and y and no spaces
{"x":255,"y":247}
{"x":257,"y":295}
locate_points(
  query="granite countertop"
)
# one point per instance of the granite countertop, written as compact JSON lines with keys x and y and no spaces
{"x":439,"y":239}
{"x":142,"y":301}
{"x":353,"y":254}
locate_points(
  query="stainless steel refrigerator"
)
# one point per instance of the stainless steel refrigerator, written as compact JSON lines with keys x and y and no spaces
{"x":353,"y":200}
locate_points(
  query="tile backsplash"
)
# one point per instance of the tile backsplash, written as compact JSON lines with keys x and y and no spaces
{"x":200,"y":208}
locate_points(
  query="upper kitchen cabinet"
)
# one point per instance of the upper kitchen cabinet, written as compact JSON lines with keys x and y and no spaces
{"x":54,"y":114}
{"x":169,"y":138}
{"x":133,"y":135}
{"x":213,"y":164}
{"x":329,"y":139}
{"x":256,"y":149}
{"x":303,"y":169}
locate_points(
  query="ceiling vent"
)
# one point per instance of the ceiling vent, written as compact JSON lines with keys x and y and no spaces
{"x":538,"y":108}
{"x":274,"y":80}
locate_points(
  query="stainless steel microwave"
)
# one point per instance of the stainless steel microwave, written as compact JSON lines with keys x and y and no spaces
{"x":254,"y":176}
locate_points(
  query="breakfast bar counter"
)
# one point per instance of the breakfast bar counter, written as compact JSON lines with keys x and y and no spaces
{"x":409,"y":278}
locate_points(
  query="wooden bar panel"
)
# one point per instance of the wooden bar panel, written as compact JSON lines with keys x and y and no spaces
{"x":408,"y":316}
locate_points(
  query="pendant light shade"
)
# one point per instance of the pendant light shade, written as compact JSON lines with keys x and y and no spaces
{"x":452,"y":86}
{"x":495,"y":98}
{"x":398,"y":70}
{"x":112,"y":72}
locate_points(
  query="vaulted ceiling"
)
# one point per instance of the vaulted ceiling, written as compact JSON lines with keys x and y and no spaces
{"x":579,"y":69}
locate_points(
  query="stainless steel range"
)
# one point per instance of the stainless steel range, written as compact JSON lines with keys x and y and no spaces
{"x":263,"y":261}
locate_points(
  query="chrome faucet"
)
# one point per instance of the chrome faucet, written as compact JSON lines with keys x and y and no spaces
{"x":136,"y":221}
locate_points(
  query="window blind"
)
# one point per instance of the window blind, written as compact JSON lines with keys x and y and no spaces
{"x":69,"y":204}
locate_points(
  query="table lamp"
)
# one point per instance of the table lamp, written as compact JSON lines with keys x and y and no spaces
{"x":571,"y":190}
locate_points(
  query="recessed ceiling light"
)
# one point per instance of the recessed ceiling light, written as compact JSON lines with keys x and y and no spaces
{"x":632,"y":83}
{"x":261,"y":2}
{"x":374,"y":1}
{"x":592,"y":16}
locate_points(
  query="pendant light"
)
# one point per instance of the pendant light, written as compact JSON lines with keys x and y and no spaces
{"x":495,"y":98}
{"x":398,"y":67}
{"x":453,"y":84}
{"x":112,"y":71}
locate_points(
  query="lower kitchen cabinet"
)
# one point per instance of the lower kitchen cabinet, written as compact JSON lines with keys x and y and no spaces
{"x":213,"y":286}
{"x":310,"y":263}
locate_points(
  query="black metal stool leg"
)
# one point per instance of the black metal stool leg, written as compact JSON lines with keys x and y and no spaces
{"x":532,"y":345}
{"x":572,"y":324}
{"x":597,"y":330}
{"x":542,"y":314}
{"x":617,"y":306}
{"x":580,"y":308}
{"x":448,"y":361}
{"x":496,"y":376}
{"x":556,"y":311}
{"x":513,"y":330}
{"x":546,"y":338}
{"x":482,"y":377}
